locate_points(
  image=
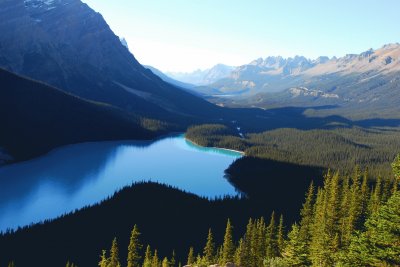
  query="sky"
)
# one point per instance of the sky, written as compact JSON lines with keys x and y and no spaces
{"x":185,"y":35}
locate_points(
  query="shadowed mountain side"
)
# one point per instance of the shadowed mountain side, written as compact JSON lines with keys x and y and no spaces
{"x":36,"y":118}
{"x":70,"y":46}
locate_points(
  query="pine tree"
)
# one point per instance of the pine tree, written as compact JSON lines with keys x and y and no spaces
{"x":172,"y":262}
{"x":258,"y":240}
{"x":306,"y":221}
{"x":295,"y":252}
{"x":103,"y":259}
{"x":344,"y":208}
{"x":272,"y":250}
{"x":155,"y":262}
{"x":218,"y":255}
{"x":396,"y":172}
{"x":319,"y":245}
{"x":165,"y":262}
{"x":148,"y":257}
{"x":248,"y":246}
{"x":375,"y":199}
{"x":239,"y":254}
{"x":365,"y":197}
{"x":228,"y":248}
{"x":114,"y":255}
{"x":190,"y":259}
{"x":387,"y":189}
{"x":280,"y":237}
{"x":396,"y":166}
{"x":134,"y":248}
{"x":306,"y":214}
{"x":332,"y":205}
{"x":209,"y":249}
{"x":332,"y":222}
{"x":199,"y":261}
{"x":353,"y":220}
{"x":379,"y":245}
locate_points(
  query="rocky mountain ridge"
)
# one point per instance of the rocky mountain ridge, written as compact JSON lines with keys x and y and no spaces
{"x":368,"y":80}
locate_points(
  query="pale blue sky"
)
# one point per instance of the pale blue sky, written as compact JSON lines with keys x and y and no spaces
{"x":184,"y":35}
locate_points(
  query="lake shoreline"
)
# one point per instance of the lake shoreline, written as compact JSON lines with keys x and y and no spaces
{"x":84,"y":174}
{"x":222,"y":148}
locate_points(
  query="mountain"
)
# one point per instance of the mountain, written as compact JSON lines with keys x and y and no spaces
{"x":203,"y":77}
{"x":168,"y":79}
{"x":266,"y":74}
{"x":368,"y":81}
{"x":36,"y":118}
{"x":69,"y":46}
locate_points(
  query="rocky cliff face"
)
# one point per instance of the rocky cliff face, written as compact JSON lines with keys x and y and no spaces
{"x":68,"y":45}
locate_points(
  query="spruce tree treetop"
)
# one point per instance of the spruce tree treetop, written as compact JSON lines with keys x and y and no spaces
{"x":103,"y":259}
{"x":209,"y":249}
{"x":114,"y":255}
{"x":228,"y":248}
{"x":134,"y":248}
{"x":396,"y":171}
{"x":191,"y":258}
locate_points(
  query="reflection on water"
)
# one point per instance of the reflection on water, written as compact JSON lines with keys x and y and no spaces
{"x":78,"y":175}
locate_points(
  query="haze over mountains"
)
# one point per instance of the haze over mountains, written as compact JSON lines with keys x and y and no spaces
{"x":203,"y":77}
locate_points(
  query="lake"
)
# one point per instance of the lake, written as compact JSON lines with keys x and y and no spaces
{"x":75,"y":176}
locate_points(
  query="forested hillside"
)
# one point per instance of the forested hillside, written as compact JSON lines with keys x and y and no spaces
{"x":36,"y":118}
{"x":346,"y":222}
{"x":339,"y":148}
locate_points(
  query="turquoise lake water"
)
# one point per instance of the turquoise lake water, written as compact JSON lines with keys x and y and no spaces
{"x":75,"y":176}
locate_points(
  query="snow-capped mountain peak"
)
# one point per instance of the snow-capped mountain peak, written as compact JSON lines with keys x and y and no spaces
{"x":46,"y":4}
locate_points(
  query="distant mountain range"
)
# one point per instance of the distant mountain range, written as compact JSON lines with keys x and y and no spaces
{"x":203,"y":77}
{"x":69,"y":46}
{"x":369,"y":81}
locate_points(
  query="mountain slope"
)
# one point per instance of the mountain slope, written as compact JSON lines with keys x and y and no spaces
{"x":36,"y":118}
{"x":68,"y":45}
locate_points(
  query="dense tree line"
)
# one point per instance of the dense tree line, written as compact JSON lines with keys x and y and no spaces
{"x":346,"y":222}
{"x":338,"y":149}
{"x":215,"y":135}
